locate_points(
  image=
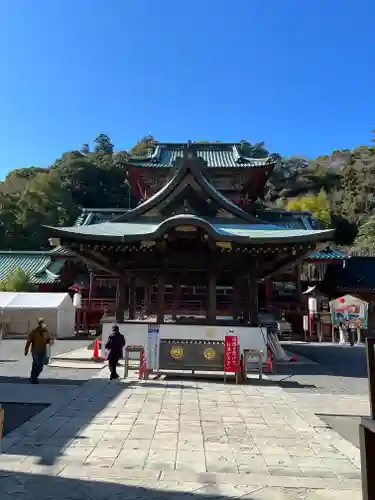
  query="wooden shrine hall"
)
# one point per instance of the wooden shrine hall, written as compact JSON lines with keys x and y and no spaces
{"x":188,"y":233}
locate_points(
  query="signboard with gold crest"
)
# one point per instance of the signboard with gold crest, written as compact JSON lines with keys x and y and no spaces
{"x":191,"y":354}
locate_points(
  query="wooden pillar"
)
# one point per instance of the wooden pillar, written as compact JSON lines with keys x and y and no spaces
{"x":245,"y":292}
{"x":89,"y":302}
{"x":236,"y":298}
{"x":367,"y":448}
{"x":176,"y":299}
{"x":147,"y":296}
{"x":160,"y":298}
{"x":300,"y":298}
{"x":253,"y":296}
{"x":132,"y":298}
{"x":367,"y":430}
{"x":211,"y":307}
{"x":268,"y":288}
{"x":120,"y":299}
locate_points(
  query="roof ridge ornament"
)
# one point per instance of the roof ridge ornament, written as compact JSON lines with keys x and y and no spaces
{"x":189,"y":152}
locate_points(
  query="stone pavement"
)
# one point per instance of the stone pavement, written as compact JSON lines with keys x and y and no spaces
{"x":15,"y":367}
{"x":209,"y":439}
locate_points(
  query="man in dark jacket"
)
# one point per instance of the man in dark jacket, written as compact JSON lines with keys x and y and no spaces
{"x":114,"y":346}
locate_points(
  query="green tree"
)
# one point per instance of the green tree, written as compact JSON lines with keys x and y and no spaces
{"x":366,"y":235}
{"x":144,"y":146}
{"x":257,"y":150}
{"x":318,"y":205}
{"x":45,"y":202}
{"x":17,"y":281}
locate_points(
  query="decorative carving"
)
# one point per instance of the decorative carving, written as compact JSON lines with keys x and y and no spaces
{"x":186,"y":229}
{"x":189,"y":151}
{"x":224,"y":245}
{"x":147,"y":244}
{"x":224,"y":214}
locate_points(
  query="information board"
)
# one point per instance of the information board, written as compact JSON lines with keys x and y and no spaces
{"x":153,"y":346}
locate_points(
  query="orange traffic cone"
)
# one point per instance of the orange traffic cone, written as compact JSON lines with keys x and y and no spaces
{"x":269,"y":364}
{"x":95,"y":355}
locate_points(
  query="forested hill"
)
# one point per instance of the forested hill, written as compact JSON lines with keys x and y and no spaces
{"x":339,"y":189}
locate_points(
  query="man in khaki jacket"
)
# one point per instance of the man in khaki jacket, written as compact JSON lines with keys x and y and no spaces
{"x":38,"y":339}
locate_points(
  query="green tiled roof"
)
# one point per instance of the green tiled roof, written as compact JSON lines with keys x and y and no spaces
{"x":97,"y":215}
{"x":37,"y":265}
{"x":329,"y":253}
{"x":61,"y":251}
{"x":289,"y":219}
{"x":216,"y":155}
{"x":130,"y":231}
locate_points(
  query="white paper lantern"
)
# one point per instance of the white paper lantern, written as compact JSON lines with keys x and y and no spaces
{"x":306,"y":323}
{"x":77,"y":300}
{"x":313,"y":306}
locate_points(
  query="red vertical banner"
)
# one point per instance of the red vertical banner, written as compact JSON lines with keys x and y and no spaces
{"x":143,"y":366}
{"x":230,"y":353}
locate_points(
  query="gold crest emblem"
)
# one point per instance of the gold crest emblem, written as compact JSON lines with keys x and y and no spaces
{"x":209,"y":353}
{"x":177,"y":352}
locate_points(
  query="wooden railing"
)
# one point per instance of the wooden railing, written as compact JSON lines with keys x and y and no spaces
{"x":99,"y":304}
{"x":367,"y":430}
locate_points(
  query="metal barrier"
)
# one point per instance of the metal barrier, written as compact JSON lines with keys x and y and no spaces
{"x":138,"y":357}
{"x":257,"y":356}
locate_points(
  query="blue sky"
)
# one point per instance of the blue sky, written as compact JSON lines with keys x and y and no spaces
{"x":297,"y":74}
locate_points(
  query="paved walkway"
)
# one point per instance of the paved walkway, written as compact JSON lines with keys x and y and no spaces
{"x":154,"y":439}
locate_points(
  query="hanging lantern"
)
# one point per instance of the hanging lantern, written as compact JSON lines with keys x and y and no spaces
{"x":313,"y":306}
{"x":77,"y":300}
{"x":305,"y":322}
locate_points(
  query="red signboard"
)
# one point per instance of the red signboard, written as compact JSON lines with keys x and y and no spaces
{"x":142,"y":368}
{"x":230,"y":353}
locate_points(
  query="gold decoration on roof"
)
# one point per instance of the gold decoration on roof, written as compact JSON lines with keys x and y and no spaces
{"x":224,"y":245}
{"x":186,"y":229}
{"x":147,"y":244}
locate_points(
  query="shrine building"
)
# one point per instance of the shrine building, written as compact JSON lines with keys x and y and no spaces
{"x":188,"y":234}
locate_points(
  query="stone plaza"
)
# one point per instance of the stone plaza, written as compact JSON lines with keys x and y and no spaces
{"x":168,"y":438}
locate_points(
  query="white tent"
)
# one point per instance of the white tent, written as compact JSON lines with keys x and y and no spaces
{"x":20,"y":311}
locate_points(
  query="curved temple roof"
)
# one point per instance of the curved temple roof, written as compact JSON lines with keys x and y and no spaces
{"x":190,"y":199}
{"x":251,"y":233}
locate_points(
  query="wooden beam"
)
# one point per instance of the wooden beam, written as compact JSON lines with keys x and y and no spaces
{"x":132,"y":297}
{"x":252,"y":293}
{"x":121,"y":299}
{"x":370,"y":345}
{"x":300,"y":297}
{"x":367,"y":448}
{"x":236,"y":297}
{"x":177,"y":289}
{"x":245,"y":292}
{"x":211,"y":289}
{"x":92,"y":262}
{"x":285,"y":264}
{"x":148,"y":282}
{"x":160,"y":298}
